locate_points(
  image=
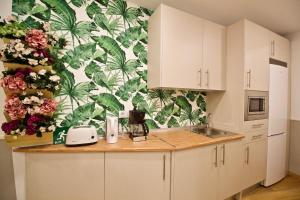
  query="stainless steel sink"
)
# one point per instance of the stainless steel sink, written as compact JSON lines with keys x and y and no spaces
{"x":212,"y":132}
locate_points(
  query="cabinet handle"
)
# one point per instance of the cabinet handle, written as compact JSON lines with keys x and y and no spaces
{"x":257,"y":125}
{"x":248,"y":86}
{"x":207,"y":78}
{"x":249,"y":78}
{"x":200,"y":73}
{"x":223,"y":147}
{"x":216,"y":156}
{"x":248,"y":153}
{"x":273,"y":48}
{"x":164,"y":167}
{"x":256,"y":137}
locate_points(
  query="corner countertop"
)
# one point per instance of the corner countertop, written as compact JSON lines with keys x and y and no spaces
{"x":160,"y":141}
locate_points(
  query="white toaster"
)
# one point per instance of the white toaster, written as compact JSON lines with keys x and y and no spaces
{"x":81,"y":135}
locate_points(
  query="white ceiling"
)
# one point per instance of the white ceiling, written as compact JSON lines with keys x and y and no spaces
{"x":280,"y":16}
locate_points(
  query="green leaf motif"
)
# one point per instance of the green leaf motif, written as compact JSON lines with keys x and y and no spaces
{"x":164,"y":114}
{"x":109,"y":102}
{"x":22,"y":7}
{"x":93,"y":9}
{"x":76,"y":57}
{"x":129,"y":36}
{"x":78,"y":3}
{"x":103,"y":2}
{"x":110,"y":46}
{"x":140,"y":51}
{"x":173,"y":123}
{"x":125,"y":91}
{"x":41,"y":12}
{"x":30,"y":22}
{"x":110,"y":25}
{"x":183,"y":103}
{"x":201,"y":103}
{"x":151,"y":124}
{"x":79,"y":115}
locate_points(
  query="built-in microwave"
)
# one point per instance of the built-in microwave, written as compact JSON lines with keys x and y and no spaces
{"x":256,"y":105}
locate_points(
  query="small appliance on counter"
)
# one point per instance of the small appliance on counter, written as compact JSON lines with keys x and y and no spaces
{"x":81,"y":135}
{"x":138,"y":129}
{"x":112,"y":129}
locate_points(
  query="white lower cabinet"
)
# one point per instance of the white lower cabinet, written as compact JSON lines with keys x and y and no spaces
{"x":137,"y":176}
{"x":207,"y":173}
{"x":255,"y":162}
{"x":63,"y":176}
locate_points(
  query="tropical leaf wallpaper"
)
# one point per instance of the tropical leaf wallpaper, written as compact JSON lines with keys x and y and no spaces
{"x":105,"y":67}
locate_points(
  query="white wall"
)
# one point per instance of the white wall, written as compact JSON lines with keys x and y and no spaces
{"x":294,"y":162}
{"x":295,"y":82}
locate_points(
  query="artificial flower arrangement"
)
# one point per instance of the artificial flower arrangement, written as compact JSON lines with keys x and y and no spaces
{"x":30,"y":125}
{"x":31,"y":48}
{"x":28,"y":55}
{"x":17,"y":107}
{"x":11,"y":29}
{"x":22,"y":79}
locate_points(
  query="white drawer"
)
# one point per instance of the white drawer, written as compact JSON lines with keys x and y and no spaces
{"x":257,"y":125}
{"x":253,"y":136}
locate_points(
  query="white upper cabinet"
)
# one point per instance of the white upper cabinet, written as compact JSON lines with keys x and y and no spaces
{"x":213,"y":56}
{"x":279,"y":47}
{"x":256,"y":57}
{"x":184,"y":51}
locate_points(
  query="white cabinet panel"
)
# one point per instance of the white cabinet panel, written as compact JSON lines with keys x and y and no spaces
{"x":279,"y":47}
{"x":137,"y":175}
{"x":256,"y":57}
{"x":62,"y":176}
{"x":195,"y":174}
{"x":213,"y":68}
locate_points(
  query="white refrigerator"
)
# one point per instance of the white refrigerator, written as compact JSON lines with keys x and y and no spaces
{"x":278,"y":122}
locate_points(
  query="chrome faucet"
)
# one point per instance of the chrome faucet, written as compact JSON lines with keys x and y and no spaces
{"x":208,"y":117}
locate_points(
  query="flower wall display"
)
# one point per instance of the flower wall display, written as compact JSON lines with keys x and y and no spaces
{"x":16,"y":81}
{"x":106,"y":64}
{"x":31,"y":58}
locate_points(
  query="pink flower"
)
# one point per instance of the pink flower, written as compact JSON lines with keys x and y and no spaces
{"x":7,"y":127}
{"x":13,"y":83}
{"x":49,"y":106}
{"x":36,"y":39}
{"x":14,"y":108}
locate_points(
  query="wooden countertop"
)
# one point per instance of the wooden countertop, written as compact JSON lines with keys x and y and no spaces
{"x":159,"y":141}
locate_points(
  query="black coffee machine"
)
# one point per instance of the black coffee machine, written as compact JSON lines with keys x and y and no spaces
{"x":138,"y":129}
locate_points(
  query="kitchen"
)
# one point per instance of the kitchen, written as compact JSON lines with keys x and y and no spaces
{"x":219,"y":98}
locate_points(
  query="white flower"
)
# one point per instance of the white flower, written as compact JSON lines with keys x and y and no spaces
{"x":30,"y":111}
{"x":36,"y":55}
{"x":56,"y":87}
{"x":40,"y":93}
{"x":36,"y":109}
{"x":42,"y":72}
{"x":20,"y":47}
{"x":32,"y":61}
{"x":24,"y":93}
{"x":55,"y":37}
{"x":15,"y":55}
{"x":12,"y":132}
{"x":26,"y":101}
{"x":44,"y":61}
{"x":35,"y":99}
{"x":23,"y":132}
{"x":42,"y":129}
{"x":46,"y":26}
{"x":51,"y":128}
{"x":18,"y":131}
{"x":33,"y":75}
{"x":54,"y":78}
{"x":27,"y":51}
{"x":53,"y":72}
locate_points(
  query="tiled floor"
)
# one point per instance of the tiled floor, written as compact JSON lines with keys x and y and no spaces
{"x":287,"y":189}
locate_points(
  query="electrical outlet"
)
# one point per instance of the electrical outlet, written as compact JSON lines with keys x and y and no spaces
{"x":123,"y":114}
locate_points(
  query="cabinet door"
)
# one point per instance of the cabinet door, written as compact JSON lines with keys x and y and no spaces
{"x":213,"y":69}
{"x":255,"y":163}
{"x":195,"y":174}
{"x":231,"y":168}
{"x":256,"y":57}
{"x":279,"y":47}
{"x":182,"y":49}
{"x":62,"y":176}
{"x":136,"y":176}
{"x":258,"y":160}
